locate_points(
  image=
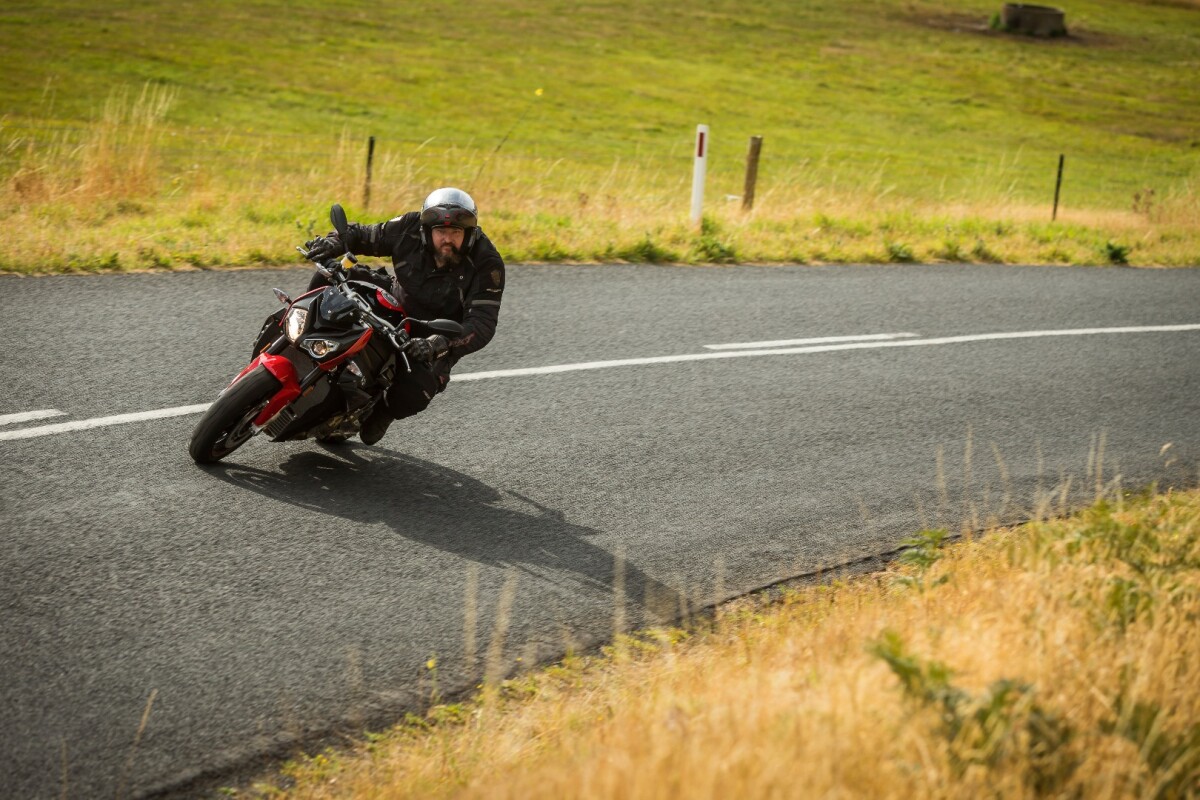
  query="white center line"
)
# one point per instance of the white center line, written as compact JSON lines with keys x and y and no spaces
{"x":30,"y":416}
{"x":826,"y":348}
{"x":869,"y":337}
{"x":100,"y":422}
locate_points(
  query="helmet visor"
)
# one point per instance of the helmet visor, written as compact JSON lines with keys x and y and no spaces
{"x":448,"y":216}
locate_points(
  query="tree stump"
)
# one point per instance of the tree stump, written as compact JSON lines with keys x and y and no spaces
{"x":1034,"y":20}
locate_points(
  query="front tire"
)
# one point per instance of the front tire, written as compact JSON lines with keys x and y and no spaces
{"x":226,"y":425}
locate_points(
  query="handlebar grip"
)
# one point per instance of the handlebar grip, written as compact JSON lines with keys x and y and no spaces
{"x":400,"y":339}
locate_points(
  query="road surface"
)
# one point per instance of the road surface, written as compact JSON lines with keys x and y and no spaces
{"x":705,"y":431}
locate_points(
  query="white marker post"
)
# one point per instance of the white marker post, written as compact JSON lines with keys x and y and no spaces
{"x":698,"y":171}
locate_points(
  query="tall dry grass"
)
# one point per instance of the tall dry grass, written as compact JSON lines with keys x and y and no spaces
{"x":116,"y":158}
{"x":131,"y":192}
{"x":1060,"y":659}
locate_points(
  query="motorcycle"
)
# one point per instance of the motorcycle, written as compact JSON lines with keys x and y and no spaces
{"x":336,"y":353}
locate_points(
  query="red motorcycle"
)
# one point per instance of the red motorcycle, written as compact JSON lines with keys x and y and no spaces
{"x":322,"y":364}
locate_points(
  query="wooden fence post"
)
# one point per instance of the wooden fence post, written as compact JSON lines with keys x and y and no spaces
{"x":1057,"y":187}
{"x":751,"y":172}
{"x":370,"y":159}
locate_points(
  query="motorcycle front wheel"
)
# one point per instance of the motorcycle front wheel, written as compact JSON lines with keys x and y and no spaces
{"x":226,"y":425}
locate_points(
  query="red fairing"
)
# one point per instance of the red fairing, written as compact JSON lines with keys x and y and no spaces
{"x":354,"y":348}
{"x":387,"y":301}
{"x":390,"y":303}
{"x":257,"y":360}
{"x":285,"y":373}
{"x":273,"y":364}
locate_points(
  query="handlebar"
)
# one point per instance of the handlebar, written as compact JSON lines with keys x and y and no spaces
{"x":335,"y":272}
{"x":333,"y":268}
{"x":397,"y":336}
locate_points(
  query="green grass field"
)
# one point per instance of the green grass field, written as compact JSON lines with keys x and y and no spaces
{"x":892,"y":130}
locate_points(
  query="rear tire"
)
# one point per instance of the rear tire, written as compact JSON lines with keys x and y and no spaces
{"x":226,"y":425}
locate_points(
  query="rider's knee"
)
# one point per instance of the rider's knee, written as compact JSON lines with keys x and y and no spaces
{"x":412,"y":396}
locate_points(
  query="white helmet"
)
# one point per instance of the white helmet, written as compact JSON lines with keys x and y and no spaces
{"x":450,"y":208}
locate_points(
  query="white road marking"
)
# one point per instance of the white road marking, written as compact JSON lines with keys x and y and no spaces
{"x":979,"y":337}
{"x":30,"y":416}
{"x":870,"y":337}
{"x":100,"y":422}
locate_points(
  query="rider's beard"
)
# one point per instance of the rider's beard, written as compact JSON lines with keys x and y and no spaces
{"x":447,"y":254}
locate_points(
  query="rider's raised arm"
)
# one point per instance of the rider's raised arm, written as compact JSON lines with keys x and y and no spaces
{"x":481,"y":300}
{"x":381,"y":238}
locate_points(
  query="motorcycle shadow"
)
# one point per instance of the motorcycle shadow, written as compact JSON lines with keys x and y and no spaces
{"x":453,"y":512}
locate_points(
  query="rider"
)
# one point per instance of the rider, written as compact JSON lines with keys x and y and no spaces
{"x":445,"y":268}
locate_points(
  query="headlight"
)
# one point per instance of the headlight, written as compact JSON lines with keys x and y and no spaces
{"x":319,"y":348}
{"x":293,"y":325}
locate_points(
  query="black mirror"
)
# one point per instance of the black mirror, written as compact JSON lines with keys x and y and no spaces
{"x":337,"y":215}
{"x":446,"y":327}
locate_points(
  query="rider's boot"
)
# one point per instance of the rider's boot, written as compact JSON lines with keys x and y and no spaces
{"x":376,"y":425}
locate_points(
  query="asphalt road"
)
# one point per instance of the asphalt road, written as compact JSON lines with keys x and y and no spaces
{"x":165,"y":625}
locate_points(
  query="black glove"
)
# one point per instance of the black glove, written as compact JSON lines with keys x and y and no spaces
{"x":375,"y":276}
{"x":324,"y":247}
{"x":428,"y":350}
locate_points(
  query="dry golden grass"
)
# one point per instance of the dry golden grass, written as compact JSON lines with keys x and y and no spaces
{"x":118,"y":158}
{"x":107,"y":202}
{"x":1059,"y":659}
{"x":211,"y":227}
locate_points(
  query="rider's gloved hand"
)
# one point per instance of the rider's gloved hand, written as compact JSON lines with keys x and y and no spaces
{"x":324,"y":247}
{"x":375,"y":276}
{"x":428,"y":350}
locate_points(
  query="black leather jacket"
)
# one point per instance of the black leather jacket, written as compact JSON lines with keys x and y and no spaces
{"x":468,"y":292}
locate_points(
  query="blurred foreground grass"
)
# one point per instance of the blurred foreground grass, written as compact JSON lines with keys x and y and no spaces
{"x":216,"y":134}
{"x":1057,"y":659}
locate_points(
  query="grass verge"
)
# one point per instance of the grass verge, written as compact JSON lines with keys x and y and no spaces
{"x":233,"y":232}
{"x":1057,"y":659}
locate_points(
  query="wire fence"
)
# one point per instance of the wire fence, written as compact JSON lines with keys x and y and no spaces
{"x":554,"y":164}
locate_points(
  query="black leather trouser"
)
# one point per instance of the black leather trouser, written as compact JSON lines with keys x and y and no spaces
{"x":413,"y":391}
